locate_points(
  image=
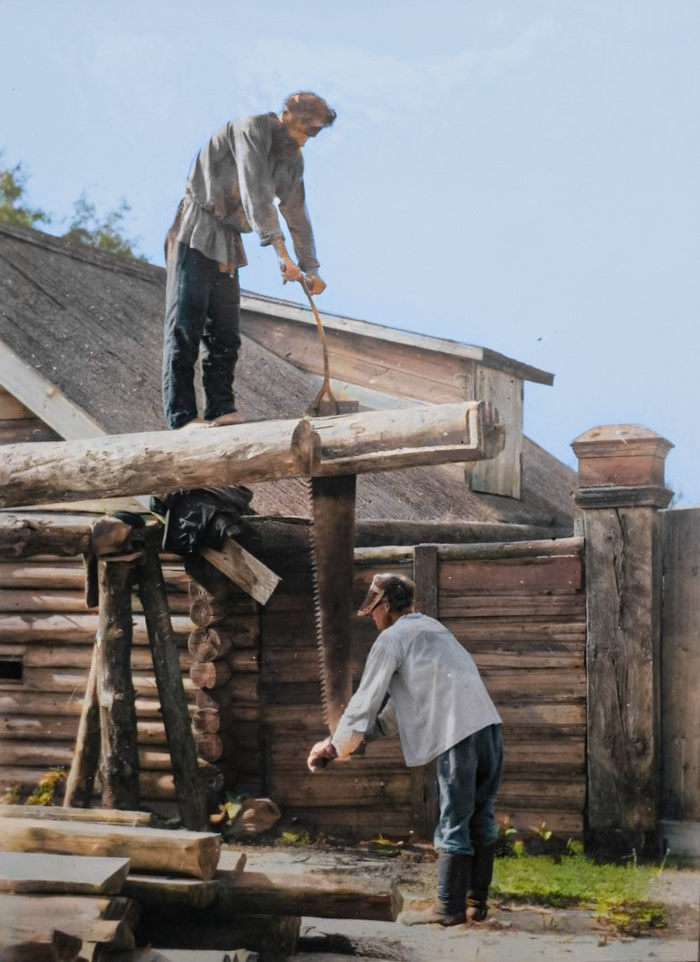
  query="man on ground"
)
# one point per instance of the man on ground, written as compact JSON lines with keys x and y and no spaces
{"x":440,"y":708}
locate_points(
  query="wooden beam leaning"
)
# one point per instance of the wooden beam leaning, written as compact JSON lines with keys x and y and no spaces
{"x":189,"y":788}
{"x":163,"y":461}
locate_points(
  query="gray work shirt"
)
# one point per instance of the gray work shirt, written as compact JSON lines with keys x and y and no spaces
{"x":238,"y":175}
{"x":436,"y":695}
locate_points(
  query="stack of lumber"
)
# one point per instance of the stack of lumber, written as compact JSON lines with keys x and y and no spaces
{"x":225,"y":672}
{"x":114,"y":884}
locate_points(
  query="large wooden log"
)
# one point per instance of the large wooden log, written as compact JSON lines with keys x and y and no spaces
{"x":194,"y":854}
{"x":139,"y":464}
{"x":324,"y":887}
{"x":191,"y":793}
{"x":74,"y":629}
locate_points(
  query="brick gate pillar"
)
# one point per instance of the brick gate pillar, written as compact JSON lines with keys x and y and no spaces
{"x":621,"y":489}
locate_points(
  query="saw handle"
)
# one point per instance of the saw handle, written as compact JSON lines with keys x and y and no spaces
{"x":326,"y":390}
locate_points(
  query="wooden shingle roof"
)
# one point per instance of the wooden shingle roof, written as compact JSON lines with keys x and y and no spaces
{"x":80,"y":346}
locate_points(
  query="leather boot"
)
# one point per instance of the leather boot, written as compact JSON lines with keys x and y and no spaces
{"x":453,"y":882}
{"x":481,"y":876}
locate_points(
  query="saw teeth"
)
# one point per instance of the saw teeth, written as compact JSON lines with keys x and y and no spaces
{"x":333,"y":625}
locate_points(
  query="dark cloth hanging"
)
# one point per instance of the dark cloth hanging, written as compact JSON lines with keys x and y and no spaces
{"x":201,"y":517}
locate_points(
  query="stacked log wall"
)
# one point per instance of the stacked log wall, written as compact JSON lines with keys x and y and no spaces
{"x":523,"y":620}
{"x":224,"y":646}
{"x":253,"y":677}
{"x":46,"y":640}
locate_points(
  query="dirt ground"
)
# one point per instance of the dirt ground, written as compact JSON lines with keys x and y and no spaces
{"x":514,"y":932}
{"x":513,"y":929}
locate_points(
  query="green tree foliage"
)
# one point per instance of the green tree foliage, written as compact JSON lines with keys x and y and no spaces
{"x":12,"y":211}
{"x":107,"y":233}
{"x":86,"y":226}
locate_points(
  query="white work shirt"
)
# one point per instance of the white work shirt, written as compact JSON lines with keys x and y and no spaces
{"x":436,"y":695}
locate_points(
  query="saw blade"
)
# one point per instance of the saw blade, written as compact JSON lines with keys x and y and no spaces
{"x":333,"y":546}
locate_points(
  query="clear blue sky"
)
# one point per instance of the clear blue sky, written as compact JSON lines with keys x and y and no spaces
{"x":523,"y":175}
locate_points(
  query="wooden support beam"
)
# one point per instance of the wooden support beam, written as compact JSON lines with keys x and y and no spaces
{"x":119,"y":758}
{"x":170,"y":460}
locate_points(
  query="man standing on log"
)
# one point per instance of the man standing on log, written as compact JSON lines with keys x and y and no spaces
{"x":441,"y":710}
{"x":239,"y":174}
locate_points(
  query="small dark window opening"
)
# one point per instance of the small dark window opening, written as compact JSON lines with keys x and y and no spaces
{"x":11,"y":669}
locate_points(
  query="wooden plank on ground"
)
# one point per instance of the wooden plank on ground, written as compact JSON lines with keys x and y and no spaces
{"x":109,"y":816}
{"x":25,"y":918}
{"x":196,"y":893}
{"x":34,"y":872}
{"x":152,"y":850}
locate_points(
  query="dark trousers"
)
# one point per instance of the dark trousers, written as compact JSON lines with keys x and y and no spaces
{"x":201,"y":308}
{"x":468,"y":776}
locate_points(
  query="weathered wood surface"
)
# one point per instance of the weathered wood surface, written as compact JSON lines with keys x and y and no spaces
{"x":27,"y":535}
{"x":239,"y":454}
{"x":191,"y":795}
{"x":101,"y":920}
{"x":61,"y":948}
{"x":244,"y":568}
{"x":151,"y":850}
{"x":196,"y":893}
{"x":272,"y":938}
{"x":326,"y":887}
{"x":106,"y":816}
{"x":84,"y":765}
{"x":680,"y":666}
{"x":525,"y":626}
{"x":276,"y":884}
{"x":622,"y":662}
{"x":311,"y":893}
{"x":34,"y":872}
{"x":119,"y":759}
{"x":74,"y":629}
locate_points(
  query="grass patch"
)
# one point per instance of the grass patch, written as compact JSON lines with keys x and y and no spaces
{"x":615,"y":893}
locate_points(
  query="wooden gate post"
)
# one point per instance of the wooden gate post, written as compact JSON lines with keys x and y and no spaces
{"x":621,"y":489}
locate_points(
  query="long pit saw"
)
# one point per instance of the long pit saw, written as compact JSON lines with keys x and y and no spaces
{"x":333,"y":543}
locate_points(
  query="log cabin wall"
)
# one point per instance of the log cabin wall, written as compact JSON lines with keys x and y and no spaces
{"x":46,"y":639}
{"x":252,"y":674}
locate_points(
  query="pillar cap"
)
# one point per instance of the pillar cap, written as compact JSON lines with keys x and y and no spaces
{"x":621,"y":463}
{"x":620,"y":441}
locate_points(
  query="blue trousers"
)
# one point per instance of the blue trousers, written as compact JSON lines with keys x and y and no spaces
{"x":468,"y":777}
{"x":201,"y":308}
